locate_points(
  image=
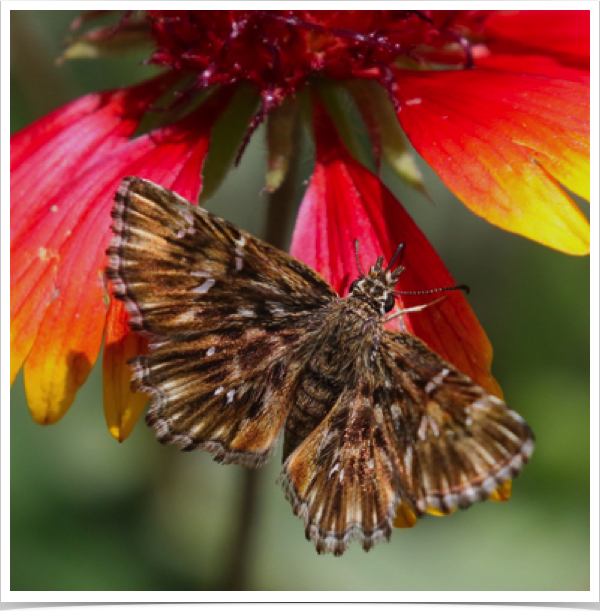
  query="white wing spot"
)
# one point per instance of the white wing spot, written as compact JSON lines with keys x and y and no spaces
{"x":244,"y":312}
{"x":230,"y":396}
{"x":210,"y":352}
{"x":275,"y":308}
{"x":239,"y":251}
{"x":422,"y":432}
{"x":219,"y":390}
{"x":187,"y":316}
{"x":335,"y":468}
{"x":205,"y":286}
{"x":436,"y":380}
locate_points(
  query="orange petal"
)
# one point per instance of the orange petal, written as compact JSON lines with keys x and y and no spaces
{"x":70,"y":333}
{"x":45,"y":159}
{"x":433,"y":511}
{"x":502,"y":493}
{"x":122,"y":407}
{"x":405,"y":517}
{"x":38,"y":254}
{"x":496,"y":139}
{"x":28,"y":302}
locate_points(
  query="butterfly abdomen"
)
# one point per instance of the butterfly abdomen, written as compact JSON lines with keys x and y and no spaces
{"x":347,"y":338}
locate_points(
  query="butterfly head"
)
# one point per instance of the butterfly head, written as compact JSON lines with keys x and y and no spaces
{"x":378,"y":286}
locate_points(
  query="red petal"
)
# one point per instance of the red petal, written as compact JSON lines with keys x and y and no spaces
{"x":54,"y":149}
{"x":533,"y":64}
{"x":562,"y":34}
{"x":346,"y":201}
{"x":496,"y":139}
{"x":70,"y":331}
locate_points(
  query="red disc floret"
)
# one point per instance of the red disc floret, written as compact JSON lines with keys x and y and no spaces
{"x":280,"y":50}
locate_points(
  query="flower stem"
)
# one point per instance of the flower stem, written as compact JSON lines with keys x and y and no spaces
{"x":281,"y":207}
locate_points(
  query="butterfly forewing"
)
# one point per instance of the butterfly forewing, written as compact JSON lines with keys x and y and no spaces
{"x":182,"y":270}
{"x":246,"y":341}
{"x":222,"y":319}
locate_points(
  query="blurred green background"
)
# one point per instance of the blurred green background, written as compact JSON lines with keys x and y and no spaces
{"x":90,"y":514}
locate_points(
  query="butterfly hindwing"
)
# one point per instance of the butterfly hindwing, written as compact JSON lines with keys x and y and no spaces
{"x":211,"y":393}
{"x":342,"y":481}
{"x":455,"y":443}
{"x":414,"y":431}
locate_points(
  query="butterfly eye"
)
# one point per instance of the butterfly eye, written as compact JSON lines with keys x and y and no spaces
{"x":353,"y":286}
{"x":390,"y":301}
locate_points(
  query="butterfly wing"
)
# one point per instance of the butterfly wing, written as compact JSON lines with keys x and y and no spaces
{"x":342,"y":480}
{"x":224,"y":312}
{"x":413,"y":431}
{"x":180,"y":269}
{"x":455,"y":443}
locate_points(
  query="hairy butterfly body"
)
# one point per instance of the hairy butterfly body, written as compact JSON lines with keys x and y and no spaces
{"x":247,"y":342}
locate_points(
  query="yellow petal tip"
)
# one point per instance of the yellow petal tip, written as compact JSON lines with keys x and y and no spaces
{"x":502,"y":493}
{"x":433,"y":511}
{"x":117,"y":433}
{"x":405,"y":517}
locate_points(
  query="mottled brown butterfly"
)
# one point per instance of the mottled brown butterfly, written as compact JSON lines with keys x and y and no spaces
{"x":247,"y":342}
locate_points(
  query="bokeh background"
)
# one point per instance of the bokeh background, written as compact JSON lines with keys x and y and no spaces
{"x":88,"y":513}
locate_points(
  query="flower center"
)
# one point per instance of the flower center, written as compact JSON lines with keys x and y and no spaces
{"x":280,"y":50}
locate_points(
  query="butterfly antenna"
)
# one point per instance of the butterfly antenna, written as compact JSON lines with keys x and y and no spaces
{"x":399,"y":253}
{"x":457,"y":287}
{"x":357,"y":259}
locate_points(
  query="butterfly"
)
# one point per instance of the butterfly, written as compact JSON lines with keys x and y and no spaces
{"x":246,"y":342}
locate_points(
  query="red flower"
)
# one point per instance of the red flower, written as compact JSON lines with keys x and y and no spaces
{"x":496,"y":103}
